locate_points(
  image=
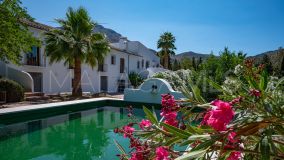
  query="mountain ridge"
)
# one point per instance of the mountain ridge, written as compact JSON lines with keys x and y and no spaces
{"x":112,"y":36}
{"x":276,"y":57}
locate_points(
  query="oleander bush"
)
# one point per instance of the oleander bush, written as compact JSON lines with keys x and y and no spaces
{"x":186,"y":78}
{"x":246,"y":122}
{"x":177,"y":79}
{"x":14,"y":91}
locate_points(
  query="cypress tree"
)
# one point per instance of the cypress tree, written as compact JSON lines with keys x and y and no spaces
{"x":193,"y":63}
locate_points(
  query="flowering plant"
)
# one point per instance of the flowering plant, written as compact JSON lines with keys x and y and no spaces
{"x":247,"y":123}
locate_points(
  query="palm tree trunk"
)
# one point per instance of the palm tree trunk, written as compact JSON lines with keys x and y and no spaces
{"x":77,"y":89}
{"x":166,"y":61}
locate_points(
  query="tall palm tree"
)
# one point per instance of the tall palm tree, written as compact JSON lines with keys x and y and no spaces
{"x":167,"y":45}
{"x":76,"y":43}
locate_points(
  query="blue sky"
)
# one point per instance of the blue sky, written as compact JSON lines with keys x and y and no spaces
{"x":202,"y":26}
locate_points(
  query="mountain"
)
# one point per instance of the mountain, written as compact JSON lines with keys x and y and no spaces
{"x":112,"y":35}
{"x":276,"y":57}
{"x":190,"y":54}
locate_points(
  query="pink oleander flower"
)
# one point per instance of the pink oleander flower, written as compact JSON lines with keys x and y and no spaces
{"x":168,"y":100}
{"x":254,"y":92}
{"x":136,"y":156}
{"x":145,"y":123}
{"x":232,"y":137}
{"x":128,"y":131}
{"x":162,"y":153}
{"x":220,"y":116}
{"x":235,"y":155}
{"x":169,"y":110}
{"x":172,"y":122}
{"x":170,"y":115}
{"x":236,"y":100}
{"x":217,"y":124}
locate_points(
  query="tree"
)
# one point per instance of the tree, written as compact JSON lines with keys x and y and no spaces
{"x":199,"y":62}
{"x":193,"y":63}
{"x":76,"y":43}
{"x":185,"y":63}
{"x":282,"y":67}
{"x":175,"y":65}
{"x":167,"y":45}
{"x":135,"y":79}
{"x":15,"y":37}
{"x":267,"y":63}
{"x":218,"y":67}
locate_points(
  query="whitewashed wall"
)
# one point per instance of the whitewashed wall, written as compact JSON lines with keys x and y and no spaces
{"x":57,"y":78}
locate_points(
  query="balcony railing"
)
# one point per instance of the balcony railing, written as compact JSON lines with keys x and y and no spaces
{"x":33,"y":61}
{"x":102,"y":67}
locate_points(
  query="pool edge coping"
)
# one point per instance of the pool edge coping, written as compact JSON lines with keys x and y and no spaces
{"x":52,"y":105}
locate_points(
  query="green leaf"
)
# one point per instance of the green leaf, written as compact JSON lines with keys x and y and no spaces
{"x":215,"y":85}
{"x":196,"y":92}
{"x":279,"y":83}
{"x":263,"y":81}
{"x":186,"y":142}
{"x":172,"y":141}
{"x":205,"y":144}
{"x":191,"y":129}
{"x":120,"y":148}
{"x":265,"y":149}
{"x":143,"y":133}
{"x":192,"y":155}
{"x":199,"y":137}
{"x":154,"y":113}
{"x":150,"y":115}
{"x":176,"y":131}
{"x":252,"y":83}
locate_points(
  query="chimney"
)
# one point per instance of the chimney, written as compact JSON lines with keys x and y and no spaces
{"x":123,"y":43}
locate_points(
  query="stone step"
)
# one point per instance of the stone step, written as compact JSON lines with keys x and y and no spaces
{"x":36,"y":98}
{"x":32,"y":94}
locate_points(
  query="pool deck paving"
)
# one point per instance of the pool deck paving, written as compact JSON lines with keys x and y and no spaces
{"x":51,"y":105}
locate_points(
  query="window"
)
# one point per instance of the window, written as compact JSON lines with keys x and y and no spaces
{"x":122,"y":65}
{"x":138,"y":64}
{"x":33,"y":56}
{"x":113,"y":60}
{"x":142,"y":63}
{"x":100,"y":67}
{"x":147,"y":64}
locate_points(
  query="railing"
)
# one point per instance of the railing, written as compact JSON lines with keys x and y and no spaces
{"x":33,"y":61}
{"x":102,"y":67}
{"x":120,"y":85}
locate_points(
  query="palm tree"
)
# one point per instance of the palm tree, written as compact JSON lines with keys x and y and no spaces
{"x":76,"y":43}
{"x":167,"y":45}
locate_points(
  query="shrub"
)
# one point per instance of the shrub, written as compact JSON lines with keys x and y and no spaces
{"x":135,"y":79}
{"x":14,"y":91}
{"x":177,"y":79}
{"x":247,"y":122}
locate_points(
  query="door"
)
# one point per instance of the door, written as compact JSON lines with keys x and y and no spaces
{"x":121,"y":86}
{"x":122,"y":65}
{"x":104,"y":84}
{"x":37,"y":77}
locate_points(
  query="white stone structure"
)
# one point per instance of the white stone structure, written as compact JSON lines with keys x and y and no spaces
{"x":112,"y":76}
{"x":150,"y":91}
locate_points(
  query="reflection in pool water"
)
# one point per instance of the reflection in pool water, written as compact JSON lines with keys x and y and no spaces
{"x":82,"y":135}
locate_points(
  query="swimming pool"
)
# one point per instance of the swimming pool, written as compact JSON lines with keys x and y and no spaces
{"x":81,"y":132}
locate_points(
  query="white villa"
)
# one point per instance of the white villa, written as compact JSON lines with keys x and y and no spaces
{"x":36,"y":74}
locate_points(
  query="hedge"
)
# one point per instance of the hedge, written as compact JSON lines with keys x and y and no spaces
{"x":14,"y":91}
